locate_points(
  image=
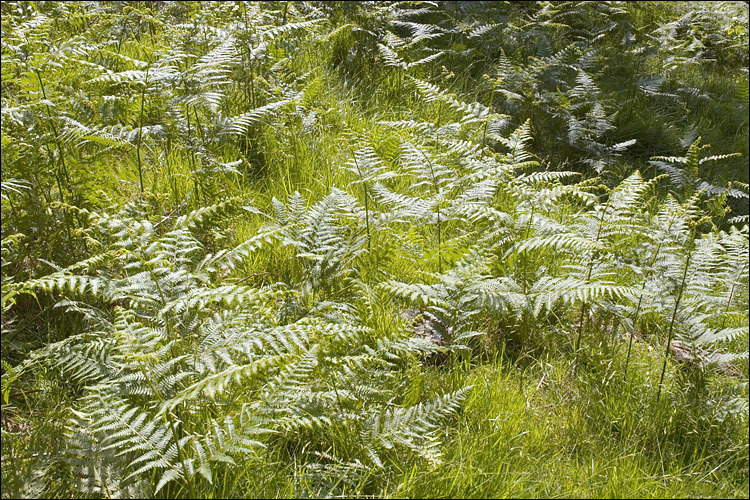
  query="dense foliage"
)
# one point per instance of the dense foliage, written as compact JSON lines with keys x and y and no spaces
{"x":365,"y":248}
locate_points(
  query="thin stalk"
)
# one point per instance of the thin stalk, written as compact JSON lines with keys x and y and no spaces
{"x":487,"y":123}
{"x":584,"y":307}
{"x":632,"y":333}
{"x":62,"y":200}
{"x":631,"y":96}
{"x":158,"y":288}
{"x":615,"y":327}
{"x":57,"y":174}
{"x":203,"y":141}
{"x":439,"y":113}
{"x":640,"y":302}
{"x":367,"y":205}
{"x":731,"y":295}
{"x":440,"y":242}
{"x":140,"y":136}
{"x":42,"y":191}
{"x":526,"y":321}
{"x":180,"y":454}
{"x":198,"y":125}
{"x":671,"y":323}
{"x":525,"y":254}
{"x":252,"y":84}
{"x":63,"y":167}
{"x":196,"y":184}
{"x":437,"y":192}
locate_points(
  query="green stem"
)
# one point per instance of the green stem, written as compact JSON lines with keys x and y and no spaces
{"x":440,"y":242}
{"x":198,"y":125}
{"x":140,"y":135}
{"x":437,"y":192}
{"x":486,"y":123}
{"x":62,"y":200}
{"x":252,"y":84}
{"x":640,"y":301}
{"x":634,"y":86}
{"x":196,"y":183}
{"x":367,"y":206}
{"x":180,"y":454}
{"x":525,"y":254}
{"x":671,"y":323}
{"x":731,"y":295}
{"x":584,"y":307}
{"x":632,"y":333}
{"x":63,"y":167}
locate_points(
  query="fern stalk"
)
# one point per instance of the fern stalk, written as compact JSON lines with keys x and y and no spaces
{"x":731,"y":295}
{"x":487,"y":123}
{"x":180,"y":454}
{"x":632,"y":333}
{"x":252,"y":84}
{"x":674,"y":316}
{"x":584,"y":307}
{"x":526,"y":320}
{"x":57,"y":174}
{"x":140,"y":135}
{"x":252,"y":71}
{"x":525,"y":253}
{"x":437,"y":192}
{"x":196,"y":182}
{"x":640,"y":302}
{"x":633,"y":87}
{"x":637,"y":312}
{"x":198,"y":124}
{"x":203,"y":140}
{"x":63,"y":170}
{"x":367,"y":205}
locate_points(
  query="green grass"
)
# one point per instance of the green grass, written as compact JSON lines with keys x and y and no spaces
{"x":540,"y":432}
